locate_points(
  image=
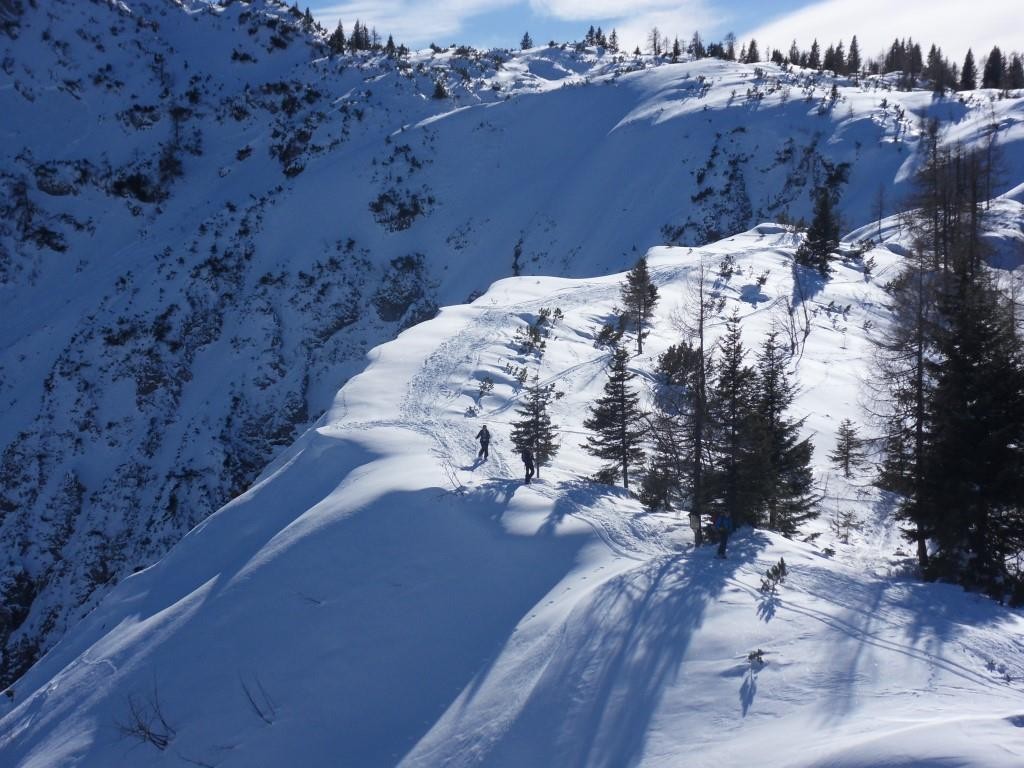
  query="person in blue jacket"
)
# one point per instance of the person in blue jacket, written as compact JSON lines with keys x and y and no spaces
{"x":723,"y":524}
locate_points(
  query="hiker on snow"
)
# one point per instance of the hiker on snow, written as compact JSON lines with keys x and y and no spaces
{"x":528,"y":463}
{"x":724,"y":527}
{"x":485,"y":439}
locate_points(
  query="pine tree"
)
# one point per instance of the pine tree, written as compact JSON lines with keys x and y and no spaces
{"x":1015,"y":73}
{"x":814,"y":59}
{"x":336,"y":42}
{"x":968,"y":73}
{"x":730,"y":46}
{"x":527,"y":41}
{"x":389,"y":47}
{"x":794,"y":54}
{"x":639,"y":295}
{"x":995,"y":68}
{"x":535,"y":430}
{"x":822,"y":235}
{"x":849,"y":451}
{"x":616,"y":420}
{"x":788,"y":484}
{"x":613,"y":41}
{"x":440,"y":92}
{"x":853,"y":60}
{"x":975,"y":459}
{"x":677,"y":50}
{"x":753,"y":55}
{"x":736,"y":436}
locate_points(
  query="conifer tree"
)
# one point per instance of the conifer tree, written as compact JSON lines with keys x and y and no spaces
{"x":679,"y":429}
{"x":736,"y":436}
{"x":336,"y":42}
{"x":639,"y":295}
{"x":527,"y":41}
{"x":822,"y":235}
{"x":613,"y":41}
{"x":534,"y":431}
{"x":677,"y":50}
{"x":849,"y":451}
{"x":814,"y":58}
{"x":995,"y":68}
{"x":616,"y":421}
{"x":853,"y":59}
{"x":788,"y":483}
{"x":389,"y":47}
{"x":974,"y":463}
{"x":1015,"y":73}
{"x":968,"y":73}
{"x":794,"y":54}
{"x":753,"y":55}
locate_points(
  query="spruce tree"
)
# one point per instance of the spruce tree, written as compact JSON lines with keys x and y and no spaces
{"x":336,"y":42}
{"x":972,"y":482}
{"x":849,"y":451}
{"x":639,"y":296}
{"x":753,"y":55}
{"x":968,"y":73}
{"x":534,"y":431}
{"x":995,"y":68}
{"x":788,"y":485}
{"x":853,"y":60}
{"x":613,"y":42}
{"x":1015,"y":73}
{"x":822,"y":235}
{"x":526,"y":42}
{"x":814,"y":59}
{"x":737,"y":437}
{"x":616,"y":421}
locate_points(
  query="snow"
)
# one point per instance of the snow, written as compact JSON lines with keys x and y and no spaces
{"x":387,"y":600}
{"x":381,"y":597}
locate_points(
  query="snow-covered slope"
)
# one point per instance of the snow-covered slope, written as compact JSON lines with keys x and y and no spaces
{"x":207,"y":222}
{"x":378,"y":597}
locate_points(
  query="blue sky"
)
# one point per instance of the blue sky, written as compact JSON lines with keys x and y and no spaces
{"x":954,"y":25}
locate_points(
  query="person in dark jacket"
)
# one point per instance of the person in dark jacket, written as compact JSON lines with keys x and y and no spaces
{"x":528,"y":463}
{"x":723,"y":524}
{"x":485,"y":440}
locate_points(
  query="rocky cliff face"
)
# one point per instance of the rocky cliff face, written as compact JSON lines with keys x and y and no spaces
{"x":206,"y":221}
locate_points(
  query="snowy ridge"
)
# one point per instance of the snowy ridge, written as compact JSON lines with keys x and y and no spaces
{"x":207,"y":222}
{"x":379,"y":598}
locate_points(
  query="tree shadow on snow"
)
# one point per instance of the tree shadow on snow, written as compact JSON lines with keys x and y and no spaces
{"x":807,"y":283}
{"x":620,"y":650}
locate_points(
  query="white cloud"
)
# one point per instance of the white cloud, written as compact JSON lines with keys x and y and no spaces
{"x":410,"y":20}
{"x":953,"y":25}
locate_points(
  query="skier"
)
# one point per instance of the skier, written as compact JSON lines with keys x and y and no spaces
{"x":528,"y":463}
{"x":485,"y":439}
{"x":723,"y":524}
